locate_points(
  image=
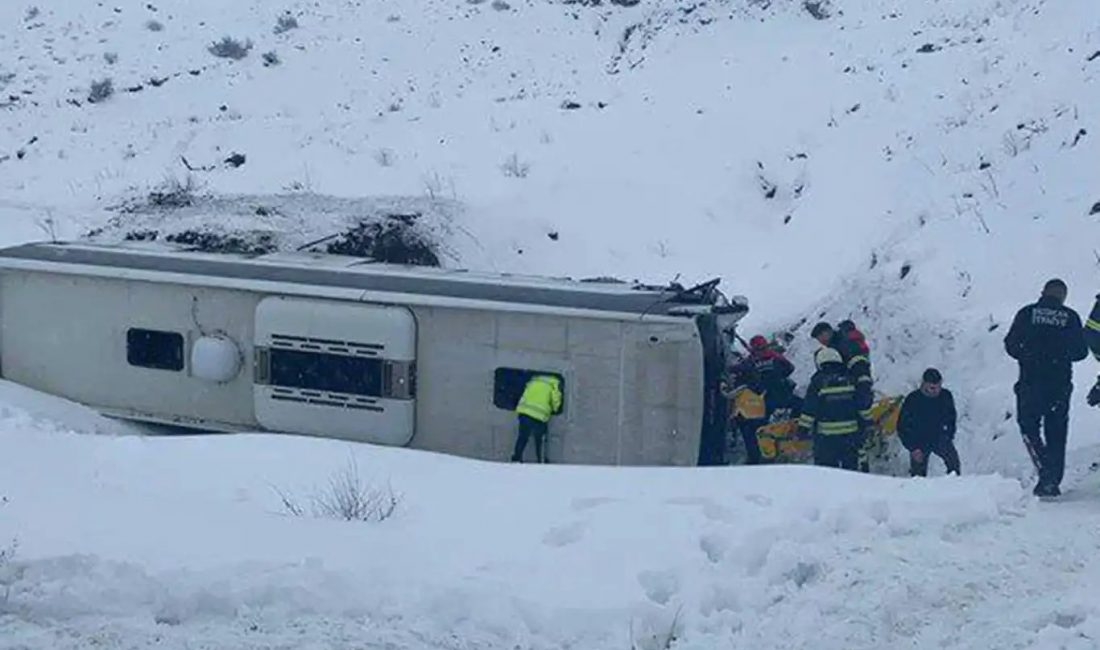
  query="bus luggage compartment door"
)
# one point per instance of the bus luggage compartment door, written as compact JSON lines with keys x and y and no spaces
{"x":336,"y":369}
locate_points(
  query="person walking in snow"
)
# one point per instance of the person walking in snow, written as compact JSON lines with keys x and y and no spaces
{"x":541,"y":401}
{"x":831,"y":413}
{"x":1046,"y":338}
{"x":927,"y":424}
{"x":1092,"y":337}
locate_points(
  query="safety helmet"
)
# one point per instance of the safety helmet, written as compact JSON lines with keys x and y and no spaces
{"x":758,"y":342}
{"x":827,"y":355}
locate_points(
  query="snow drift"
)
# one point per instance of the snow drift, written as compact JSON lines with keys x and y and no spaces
{"x":134,"y":549}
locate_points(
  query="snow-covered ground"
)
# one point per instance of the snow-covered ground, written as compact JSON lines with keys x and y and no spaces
{"x":920,"y":166}
{"x":182,"y":542}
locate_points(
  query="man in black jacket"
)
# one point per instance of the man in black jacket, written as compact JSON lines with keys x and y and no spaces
{"x":1046,"y":338}
{"x":927,"y":425}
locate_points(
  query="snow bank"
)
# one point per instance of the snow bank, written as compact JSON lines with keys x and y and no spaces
{"x":183,"y":539}
{"x":24,"y":409}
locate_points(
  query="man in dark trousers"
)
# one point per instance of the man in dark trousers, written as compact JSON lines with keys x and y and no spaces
{"x":856,"y":356}
{"x":926,"y":425}
{"x":831,"y":413}
{"x":1092,"y":337}
{"x":747,"y":411}
{"x":853,"y":347}
{"x":1046,"y":338}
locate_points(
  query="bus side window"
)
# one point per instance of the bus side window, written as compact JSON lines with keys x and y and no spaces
{"x":154,"y":349}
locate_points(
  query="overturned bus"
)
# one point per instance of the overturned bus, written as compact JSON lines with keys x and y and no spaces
{"x":340,"y":347}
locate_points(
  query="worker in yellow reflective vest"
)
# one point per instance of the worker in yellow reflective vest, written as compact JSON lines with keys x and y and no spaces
{"x":747,"y":410}
{"x":541,"y":401}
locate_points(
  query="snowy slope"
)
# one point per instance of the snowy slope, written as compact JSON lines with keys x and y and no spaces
{"x":956,"y":141}
{"x":921,"y":166}
{"x":130,"y":550}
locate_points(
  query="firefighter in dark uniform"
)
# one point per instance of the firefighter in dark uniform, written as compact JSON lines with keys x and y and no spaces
{"x":1092,"y":337}
{"x":856,"y":357}
{"x":1046,"y":338}
{"x":831,"y":413}
{"x":852,"y":346}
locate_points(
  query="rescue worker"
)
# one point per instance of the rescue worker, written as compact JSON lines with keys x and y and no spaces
{"x":541,"y":400}
{"x":772,"y":371}
{"x":927,"y":425}
{"x":824,"y":334}
{"x":748,"y":412}
{"x":1092,"y":337}
{"x":857,"y":357}
{"x":831,"y":413}
{"x":853,"y":347}
{"x":1046,"y":338}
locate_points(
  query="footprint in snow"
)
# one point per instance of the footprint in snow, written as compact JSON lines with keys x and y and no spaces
{"x":591,"y":502}
{"x":714,"y":547}
{"x":758,"y":499}
{"x":659,"y":586}
{"x":564,"y":535}
{"x":711,"y":510}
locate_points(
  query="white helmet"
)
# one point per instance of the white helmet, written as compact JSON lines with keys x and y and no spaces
{"x":827,"y":355}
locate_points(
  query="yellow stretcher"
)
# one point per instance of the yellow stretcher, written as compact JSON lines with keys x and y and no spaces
{"x":780,"y":441}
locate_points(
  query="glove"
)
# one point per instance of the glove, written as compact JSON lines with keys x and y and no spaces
{"x":1094,"y":394}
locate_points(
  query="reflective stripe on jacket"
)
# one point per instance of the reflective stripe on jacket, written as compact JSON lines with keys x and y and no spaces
{"x":1092,"y":330}
{"x":541,"y":398}
{"x":833,"y":404}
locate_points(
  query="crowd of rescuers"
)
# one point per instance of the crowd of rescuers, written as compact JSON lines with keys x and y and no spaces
{"x":836,"y":410}
{"x":1046,"y":338}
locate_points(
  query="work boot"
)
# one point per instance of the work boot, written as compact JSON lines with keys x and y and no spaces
{"x":1044,"y":490}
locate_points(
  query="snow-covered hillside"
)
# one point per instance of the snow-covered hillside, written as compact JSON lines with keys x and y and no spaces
{"x":922,"y":167}
{"x":919,"y":166}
